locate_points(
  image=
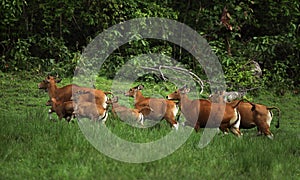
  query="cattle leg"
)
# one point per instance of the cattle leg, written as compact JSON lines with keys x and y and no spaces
{"x":236,"y":131}
{"x":141,"y":119}
{"x":259,"y":132}
{"x":197,"y":127}
{"x":225,"y":131}
{"x":223,"y":128}
{"x":267,"y":132}
{"x":50,"y":111}
{"x":172,"y":121}
{"x":264,"y":128}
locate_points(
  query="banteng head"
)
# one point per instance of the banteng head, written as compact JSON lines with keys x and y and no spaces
{"x":132,"y":91}
{"x":45,"y":84}
{"x":177,"y":94}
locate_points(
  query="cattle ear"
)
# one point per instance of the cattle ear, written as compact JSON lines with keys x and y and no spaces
{"x":140,"y":87}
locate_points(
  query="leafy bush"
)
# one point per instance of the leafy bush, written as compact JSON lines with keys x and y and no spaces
{"x":47,"y":36}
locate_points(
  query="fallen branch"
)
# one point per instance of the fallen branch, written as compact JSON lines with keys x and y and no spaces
{"x":182,"y":70}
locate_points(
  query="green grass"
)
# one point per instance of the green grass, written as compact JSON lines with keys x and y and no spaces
{"x":32,"y":147}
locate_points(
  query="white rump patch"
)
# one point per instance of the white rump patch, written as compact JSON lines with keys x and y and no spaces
{"x":269,"y":118}
{"x":141,"y":119}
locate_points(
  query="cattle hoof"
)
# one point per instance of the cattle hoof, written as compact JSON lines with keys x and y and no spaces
{"x":176,"y":126}
{"x":270,"y":136}
{"x":259,"y":134}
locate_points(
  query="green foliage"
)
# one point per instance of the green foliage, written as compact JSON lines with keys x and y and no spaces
{"x":48,"y":36}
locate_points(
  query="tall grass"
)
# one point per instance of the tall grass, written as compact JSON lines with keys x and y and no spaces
{"x":32,"y":147}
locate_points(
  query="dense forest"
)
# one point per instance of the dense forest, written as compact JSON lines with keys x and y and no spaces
{"x":49,"y":36}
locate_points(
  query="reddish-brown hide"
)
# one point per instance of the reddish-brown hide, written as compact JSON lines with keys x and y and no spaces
{"x":198,"y":111}
{"x":160,"y":108}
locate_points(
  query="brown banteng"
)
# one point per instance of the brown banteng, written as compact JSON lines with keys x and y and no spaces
{"x":85,"y":106}
{"x":257,"y":115}
{"x":64,"y":94}
{"x":160,"y":108}
{"x":88,"y":110}
{"x":125,"y":113}
{"x":198,"y":111}
{"x":63,"y":109}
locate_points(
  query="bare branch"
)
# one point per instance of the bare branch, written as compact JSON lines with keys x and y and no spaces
{"x":182,"y":70}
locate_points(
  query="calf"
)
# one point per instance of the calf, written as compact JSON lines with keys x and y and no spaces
{"x":257,"y":115}
{"x":84,"y":106}
{"x":160,"y":108}
{"x":126,"y":113}
{"x":197,"y":112}
{"x":63,"y":109}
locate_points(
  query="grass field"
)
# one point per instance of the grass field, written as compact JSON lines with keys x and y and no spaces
{"x":32,"y":147}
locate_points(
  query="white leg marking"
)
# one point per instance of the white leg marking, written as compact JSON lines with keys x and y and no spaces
{"x":176,"y":126}
{"x":50,"y":114}
{"x":141,"y":119}
{"x":270,"y":136}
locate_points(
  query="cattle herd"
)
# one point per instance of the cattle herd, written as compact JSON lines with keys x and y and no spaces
{"x":73,"y":101}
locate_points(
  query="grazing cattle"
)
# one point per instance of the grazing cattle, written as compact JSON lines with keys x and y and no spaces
{"x":63,"y":109}
{"x":64,"y":94}
{"x":257,"y":115}
{"x":84,"y":106}
{"x":198,"y":111}
{"x":126,"y":113}
{"x":160,"y":108}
